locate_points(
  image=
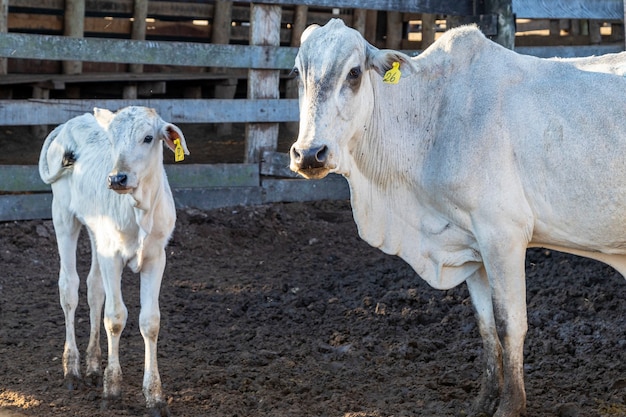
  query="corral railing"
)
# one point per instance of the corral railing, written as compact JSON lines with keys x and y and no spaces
{"x":263,"y":61}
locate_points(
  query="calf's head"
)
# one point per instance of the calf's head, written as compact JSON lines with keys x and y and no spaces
{"x":336,"y":68}
{"x":135,"y":134}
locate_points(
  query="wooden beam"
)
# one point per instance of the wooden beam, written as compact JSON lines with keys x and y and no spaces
{"x":262,"y":84}
{"x":569,"y":9}
{"x":459,"y":7}
{"x":14,"y":45}
{"x":74,"y":26}
{"x":34,"y":112}
{"x":505,"y":33}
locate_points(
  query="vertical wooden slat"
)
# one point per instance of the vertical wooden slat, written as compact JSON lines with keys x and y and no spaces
{"x":138,"y":32}
{"x":359,"y":20}
{"x":370,"y":28}
{"x":506,"y":21}
{"x":428,"y":29}
{"x":4,"y":27}
{"x":262,"y":84}
{"x":220,"y":34}
{"x":74,"y":26}
{"x":291,"y":86}
{"x":394,"y":30}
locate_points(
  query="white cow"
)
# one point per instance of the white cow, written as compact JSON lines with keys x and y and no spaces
{"x":107,"y":174}
{"x":475,"y":155}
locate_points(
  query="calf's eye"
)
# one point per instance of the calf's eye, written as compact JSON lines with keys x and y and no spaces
{"x":354,"y":73}
{"x":148,"y":139}
{"x":294,"y":72}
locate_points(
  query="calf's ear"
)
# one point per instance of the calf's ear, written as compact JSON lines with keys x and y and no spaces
{"x":382,"y":60}
{"x":169,"y":134}
{"x":103,"y":116}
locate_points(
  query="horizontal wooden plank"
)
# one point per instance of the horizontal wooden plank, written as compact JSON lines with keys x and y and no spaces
{"x":569,"y":9}
{"x":217,"y":197}
{"x":25,"y":206}
{"x":20,"y":178}
{"x":333,"y":187}
{"x":15,"y":45}
{"x":568,"y":51}
{"x":51,"y":112}
{"x":453,"y":7}
{"x":276,"y":164}
{"x":212,"y":175}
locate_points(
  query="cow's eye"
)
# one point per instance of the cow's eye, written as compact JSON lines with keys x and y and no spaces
{"x":148,"y":139}
{"x":294,"y":72}
{"x":354,"y":73}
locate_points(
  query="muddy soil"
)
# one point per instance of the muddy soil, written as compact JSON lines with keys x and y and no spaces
{"x":281,"y":310}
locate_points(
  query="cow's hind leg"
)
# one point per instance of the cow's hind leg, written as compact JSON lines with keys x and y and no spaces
{"x":115,"y":315}
{"x":480,"y":291}
{"x":149,"y":324}
{"x":67,"y":230}
{"x":95,"y":297}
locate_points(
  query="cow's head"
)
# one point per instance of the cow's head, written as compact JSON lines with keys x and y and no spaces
{"x":336,"y":67}
{"x":136,"y":134}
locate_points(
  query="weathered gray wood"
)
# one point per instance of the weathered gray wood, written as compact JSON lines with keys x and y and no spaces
{"x":276,"y":164}
{"x":429,"y":29}
{"x":569,"y":9}
{"x":333,"y":187}
{"x":21,"y":178}
{"x":505,"y":33}
{"x":138,"y":29}
{"x":299,"y":24}
{"x":25,"y":206}
{"x":213,"y":175}
{"x":4,"y":28}
{"x":217,"y":197}
{"x":568,"y":51}
{"x":262,"y":84}
{"x":394,"y":30}
{"x":13,"y":45}
{"x":30,"y":112}
{"x":460,"y":7}
{"x":359,"y":20}
{"x":73,"y":26}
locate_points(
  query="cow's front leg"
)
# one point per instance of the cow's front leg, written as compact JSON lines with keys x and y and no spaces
{"x":95,"y":298}
{"x":149,"y":324}
{"x":504,"y":262}
{"x":115,"y":315}
{"x":67,"y":229}
{"x":480,"y":291}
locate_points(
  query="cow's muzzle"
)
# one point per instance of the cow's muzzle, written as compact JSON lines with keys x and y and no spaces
{"x":119,"y":183}
{"x":310,"y":162}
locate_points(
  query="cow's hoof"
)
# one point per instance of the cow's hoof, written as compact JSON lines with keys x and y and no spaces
{"x":93,"y":380}
{"x":160,"y":410}
{"x":113,"y":402}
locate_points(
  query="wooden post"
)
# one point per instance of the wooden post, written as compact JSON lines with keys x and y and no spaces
{"x":394,"y":30}
{"x":429,"y":29}
{"x":370,"y":26}
{"x":263,"y":84}
{"x":506,"y":21}
{"x":220,"y":34}
{"x":291,"y":86}
{"x":359,"y":20}
{"x":74,"y":26}
{"x":138,"y":32}
{"x":4,"y":28}
{"x":595,"y":36}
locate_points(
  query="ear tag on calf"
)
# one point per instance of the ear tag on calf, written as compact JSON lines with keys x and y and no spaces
{"x":179,"y":154}
{"x":393,"y":75}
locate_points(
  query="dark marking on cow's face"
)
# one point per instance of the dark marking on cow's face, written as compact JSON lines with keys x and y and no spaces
{"x":68,"y":158}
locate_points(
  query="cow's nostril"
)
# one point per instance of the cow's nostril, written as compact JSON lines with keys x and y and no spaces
{"x":118,"y":180}
{"x":295,"y":154}
{"x":322,"y":154}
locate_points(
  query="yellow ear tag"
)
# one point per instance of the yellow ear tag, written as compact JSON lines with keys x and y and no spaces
{"x":393,"y":75}
{"x":179,"y":153}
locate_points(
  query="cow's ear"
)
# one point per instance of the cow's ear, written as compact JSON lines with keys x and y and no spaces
{"x":383,"y":60}
{"x":170,"y":133}
{"x":103,"y":116}
{"x":307,"y":32}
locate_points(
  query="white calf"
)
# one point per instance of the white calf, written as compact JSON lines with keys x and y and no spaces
{"x":84,"y":159}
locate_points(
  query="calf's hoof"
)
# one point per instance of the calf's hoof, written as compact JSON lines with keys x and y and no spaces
{"x":160,"y":410}
{"x":72,"y":382}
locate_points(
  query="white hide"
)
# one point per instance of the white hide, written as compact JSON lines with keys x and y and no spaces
{"x":476,"y":154}
{"x":127,"y":227}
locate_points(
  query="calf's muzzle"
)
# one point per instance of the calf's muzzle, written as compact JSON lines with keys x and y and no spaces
{"x":118,"y":182}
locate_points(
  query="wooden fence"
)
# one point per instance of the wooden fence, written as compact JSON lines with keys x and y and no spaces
{"x":261,"y":58}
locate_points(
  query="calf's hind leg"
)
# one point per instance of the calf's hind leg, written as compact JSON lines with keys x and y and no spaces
{"x":95,"y":297}
{"x":67,"y":230}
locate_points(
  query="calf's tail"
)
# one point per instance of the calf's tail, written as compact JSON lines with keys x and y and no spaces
{"x":57,"y":155}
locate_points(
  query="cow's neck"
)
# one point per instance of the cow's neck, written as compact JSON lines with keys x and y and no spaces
{"x":390,"y":207}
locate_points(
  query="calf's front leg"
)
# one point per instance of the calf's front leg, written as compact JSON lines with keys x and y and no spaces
{"x":149,"y":324}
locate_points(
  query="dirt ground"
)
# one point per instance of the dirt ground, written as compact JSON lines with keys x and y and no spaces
{"x":281,"y":310}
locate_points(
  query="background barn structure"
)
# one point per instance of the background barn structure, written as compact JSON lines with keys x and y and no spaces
{"x":226,"y":65}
